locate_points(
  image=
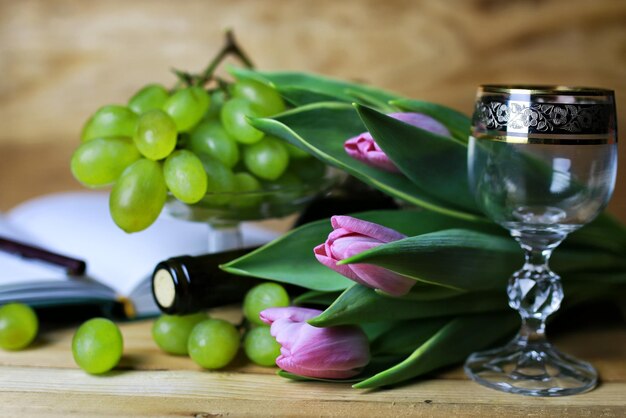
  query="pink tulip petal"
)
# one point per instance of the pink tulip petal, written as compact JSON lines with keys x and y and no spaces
{"x":339,"y":247}
{"x":383,"y":279}
{"x":323,"y":257}
{"x":358,"y":246}
{"x":353,"y":146}
{"x":379,"y":159}
{"x":288,"y":364}
{"x":335,"y":352}
{"x":363,"y":148}
{"x":345,"y":345}
{"x":295,"y":314}
{"x":369,"y":229}
{"x":366,"y":145}
{"x":422,"y":121}
{"x":338,"y":233}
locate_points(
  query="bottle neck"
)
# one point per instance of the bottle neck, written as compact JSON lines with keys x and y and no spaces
{"x":186,"y":284}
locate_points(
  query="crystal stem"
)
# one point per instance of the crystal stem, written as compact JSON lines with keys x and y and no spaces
{"x":535,"y":291}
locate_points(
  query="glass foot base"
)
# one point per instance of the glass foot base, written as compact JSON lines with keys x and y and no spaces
{"x":532,"y":369}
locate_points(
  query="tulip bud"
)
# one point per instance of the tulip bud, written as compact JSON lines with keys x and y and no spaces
{"x":364,"y":148}
{"x":352,"y":236}
{"x":334,"y":352}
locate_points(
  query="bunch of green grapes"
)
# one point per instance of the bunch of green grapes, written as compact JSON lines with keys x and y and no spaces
{"x":195,"y":144}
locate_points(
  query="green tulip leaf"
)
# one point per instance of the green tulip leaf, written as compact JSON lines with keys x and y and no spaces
{"x":433,"y":162}
{"x":360,"y":304}
{"x":605,"y":232}
{"x":453,"y":258}
{"x":298,"y":96}
{"x":322,"y":128}
{"x":428,"y":291}
{"x":315,"y":297}
{"x":338,"y":89}
{"x":405,"y":336}
{"x":470,"y":260}
{"x":290,"y":259}
{"x":450,"y":345}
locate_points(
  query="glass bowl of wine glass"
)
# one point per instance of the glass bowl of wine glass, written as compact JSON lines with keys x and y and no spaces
{"x":224,"y":211}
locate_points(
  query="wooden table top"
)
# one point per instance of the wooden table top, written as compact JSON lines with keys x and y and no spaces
{"x":44,"y":381}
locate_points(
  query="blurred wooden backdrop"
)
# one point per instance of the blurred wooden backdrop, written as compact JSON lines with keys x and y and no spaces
{"x":60,"y":60}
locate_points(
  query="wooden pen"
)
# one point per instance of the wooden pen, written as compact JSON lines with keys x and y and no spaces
{"x":72,"y":266}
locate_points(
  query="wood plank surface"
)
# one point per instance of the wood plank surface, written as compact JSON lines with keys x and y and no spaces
{"x":44,"y":381}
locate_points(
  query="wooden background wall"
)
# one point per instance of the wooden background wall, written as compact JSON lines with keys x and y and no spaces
{"x":60,"y":60}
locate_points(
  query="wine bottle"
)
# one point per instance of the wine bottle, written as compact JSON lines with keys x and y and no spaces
{"x":188,"y":284}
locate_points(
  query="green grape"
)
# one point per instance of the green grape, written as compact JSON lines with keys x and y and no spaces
{"x":156,"y":134}
{"x":187,"y":107}
{"x":185,"y":176}
{"x":267,"y":159}
{"x":220,"y":181}
{"x":210,"y":138}
{"x":111,"y":120}
{"x":261,"y":297}
{"x":290,"y":190}
{"x":261,"y":347}
{"x":138,"y":195}
{"x":233,"y":117}
{"x":97,"y":346}
{"x":287,"y":181}
{"x":264,"y":98}
{"x":171,"y":332}
{"x":310,"y":169}
{"x":18,"y":326}
{"x":246,"y":184}
{"x":152,"y":96}
{"x":213,"y":343}
{"x":218,"y":97}
{"x":101,"y":161}
{"x":295,"y":152}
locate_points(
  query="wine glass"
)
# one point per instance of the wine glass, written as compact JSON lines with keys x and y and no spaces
{"x":542,"y":162}
{"x":224,"y":212}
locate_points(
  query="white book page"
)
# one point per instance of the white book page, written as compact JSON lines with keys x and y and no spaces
{"x":79,"y":225}
{"x":17,"y":270}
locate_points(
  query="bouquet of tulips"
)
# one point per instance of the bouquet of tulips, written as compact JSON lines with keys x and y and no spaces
{"x":400,"y":292}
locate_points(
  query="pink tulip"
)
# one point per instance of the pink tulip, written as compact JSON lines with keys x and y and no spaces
{"x":364,"y":148}
{"x":335,"y":352}
{"x":352,"y":236}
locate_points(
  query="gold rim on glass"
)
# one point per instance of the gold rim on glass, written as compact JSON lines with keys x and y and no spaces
{"x":544,"y":89}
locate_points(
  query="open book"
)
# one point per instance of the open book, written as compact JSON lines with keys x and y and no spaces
{"x":119,"y":265}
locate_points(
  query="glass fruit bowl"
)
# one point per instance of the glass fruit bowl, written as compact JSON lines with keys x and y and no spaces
{"x":225,"y":211}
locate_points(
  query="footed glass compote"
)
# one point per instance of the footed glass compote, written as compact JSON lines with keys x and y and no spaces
{"x":542,"y":163}
{"x":225,"y":211}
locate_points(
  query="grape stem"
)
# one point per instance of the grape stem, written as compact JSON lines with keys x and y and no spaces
{"x":184,"y":77}
{"x":222,"y":85}
{"x":230,"y":47}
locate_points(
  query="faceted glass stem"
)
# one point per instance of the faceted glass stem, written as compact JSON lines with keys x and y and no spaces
{"x":529,"y":364}
{"x":534,"y":290}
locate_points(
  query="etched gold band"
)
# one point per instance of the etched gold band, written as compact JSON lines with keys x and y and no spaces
{"x":546,"y":139}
